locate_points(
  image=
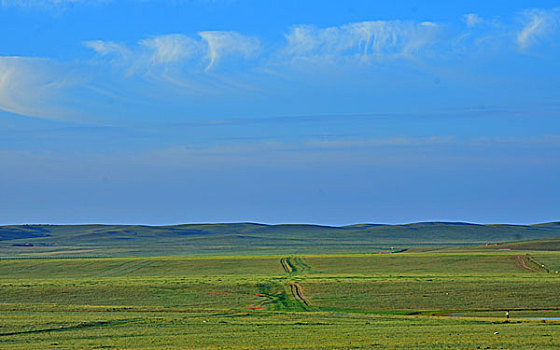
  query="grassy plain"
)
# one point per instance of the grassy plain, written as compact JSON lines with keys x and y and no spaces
{"x":405,"y":300}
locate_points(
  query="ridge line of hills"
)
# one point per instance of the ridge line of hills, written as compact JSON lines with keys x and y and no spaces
{"x":227,"y":238}
{"x":358,"y":225}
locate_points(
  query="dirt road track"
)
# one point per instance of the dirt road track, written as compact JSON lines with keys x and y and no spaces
{"x":286,"y":265}
{"x":297,"y":292}
{"x":521,"y":261}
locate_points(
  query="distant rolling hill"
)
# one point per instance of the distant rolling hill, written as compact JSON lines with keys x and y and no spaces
{"x":201,"y":239}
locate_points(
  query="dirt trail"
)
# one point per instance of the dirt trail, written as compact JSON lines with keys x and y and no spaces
{"x":286,"y":265}
{"x":297,"y":292}
{"x":521,"y":261}
{"x":294,"y":267}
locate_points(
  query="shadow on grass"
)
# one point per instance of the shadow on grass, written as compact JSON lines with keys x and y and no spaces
{"x":72,"y":327}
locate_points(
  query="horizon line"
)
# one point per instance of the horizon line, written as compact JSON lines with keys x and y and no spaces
{"x":287,"y":223}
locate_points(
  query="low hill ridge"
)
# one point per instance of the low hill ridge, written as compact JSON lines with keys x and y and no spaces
{"x":115,"y":240}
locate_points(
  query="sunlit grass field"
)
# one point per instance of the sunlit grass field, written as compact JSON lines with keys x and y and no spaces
{"x":404,"y":300}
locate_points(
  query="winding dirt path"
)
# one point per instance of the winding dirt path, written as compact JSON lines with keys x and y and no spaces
{"x":286,"y":265}
{"x":297,"y":292}
{"x":294,"y":266}
{"x":521,"y":261}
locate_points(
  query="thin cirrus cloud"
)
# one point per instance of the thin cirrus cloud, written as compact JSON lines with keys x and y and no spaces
{"x":373,"y":151}
{"x":307,"y":150}
{"x":105,"y":48}
{"x":31,"y":86}
{"x":397,"y":141}
{"x":364,"y":40}
{"x":472,"y":19}
{"x":48,"y":3}
{"x":223,"y":43}
{"x":538,"y":26}
{"x":45,"y":4}
{"x":40,"y":87}
{"x":171,"y":48}
{"x":210,"y":48}
{"x":369,"y":39}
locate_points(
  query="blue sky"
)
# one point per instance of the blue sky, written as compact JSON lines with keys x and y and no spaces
{"x":174,"y":111}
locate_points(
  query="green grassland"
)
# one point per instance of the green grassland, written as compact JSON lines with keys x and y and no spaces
{"x":442,"y":299}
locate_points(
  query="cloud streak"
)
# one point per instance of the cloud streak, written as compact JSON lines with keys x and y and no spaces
{"x":212,"y":63}
{"x":171,"y":48}
{"x":222,"y":44}
{"x":472,"y":19}
{"x":30,"y":86}
{"x":209,"y":49}
{"x":49,"y":3}
{"x":538,"y":25}
{"x":370,"y":39}
{"x":105,"y":48}
{"x":367,"y":42}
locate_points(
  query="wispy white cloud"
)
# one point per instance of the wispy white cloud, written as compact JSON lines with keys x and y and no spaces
{"x":537,"y":25}
{"x":62,"y":3}
{"x":105,"y":48}
{"x":30,"y":86}
{"x":375,"y":151}
{"x":224,"y":43}
{"x":178,"y":63}
{"x":375,"y":39}
{"x":552,"y":141}
{"x":207,"y":50}
{"x":472,"y":19}
{"x":171,"y":48}
{"x":397,"y":141}
{"x":367,"y":41}
{"x":48,"y":3}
